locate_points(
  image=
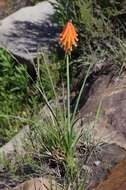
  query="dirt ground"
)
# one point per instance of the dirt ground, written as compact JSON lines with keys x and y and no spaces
{"x":9,"y":6}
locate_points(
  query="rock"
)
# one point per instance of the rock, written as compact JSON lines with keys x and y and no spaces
{"x":108,"y":156}
{"x":108,"y":92}
{"x":116,"y":180}
{"x":15,"y":144}
{"x":38,"y":184}
{"x":26,"y":31}
{"x":97,"y":163}
{"x":111,"y":124}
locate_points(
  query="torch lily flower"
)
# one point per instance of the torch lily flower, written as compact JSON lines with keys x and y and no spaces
{"x":68,"y":37}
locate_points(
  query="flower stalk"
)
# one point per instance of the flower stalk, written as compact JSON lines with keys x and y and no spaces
{"x":68,"y":39}
{"x":68,"y":91}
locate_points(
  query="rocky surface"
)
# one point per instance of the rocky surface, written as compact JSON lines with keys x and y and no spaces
{"x":102,"y":162}
{"x":29,"y":29}
{"x":111,"y":95}
{"x":107,"y":92}
{"x":15,"y":144}
{"x":38,"y":184}
{"x":116,"y":180}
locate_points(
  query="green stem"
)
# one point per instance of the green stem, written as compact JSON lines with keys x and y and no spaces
{"x":68,"y":90}
{"x":80,"y":93}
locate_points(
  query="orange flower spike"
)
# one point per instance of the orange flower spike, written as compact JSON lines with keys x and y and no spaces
{"x":65,"y":30}
{"x":68,"y":38}
{"x":74,"y":33}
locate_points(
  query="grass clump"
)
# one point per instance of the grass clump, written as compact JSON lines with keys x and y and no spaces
{"x":54,"y":137}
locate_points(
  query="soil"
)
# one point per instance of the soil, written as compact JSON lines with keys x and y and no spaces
{"x":9,"y":6}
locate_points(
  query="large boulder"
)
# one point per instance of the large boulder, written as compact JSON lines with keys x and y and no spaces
{"x":29,"y":29}
{"x":107,"y":93}
{"x":110,"y":95}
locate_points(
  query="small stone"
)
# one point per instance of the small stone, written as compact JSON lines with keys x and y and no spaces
{"x":38,"y":184}
{"x":97,"y":163}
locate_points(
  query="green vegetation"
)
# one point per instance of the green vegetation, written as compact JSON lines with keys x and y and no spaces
{"x":90,"y":17}
{"x":13,"y":90}
{"x":18,"y":96}
{"x":53,"y":135}
{"x":98,"y":23}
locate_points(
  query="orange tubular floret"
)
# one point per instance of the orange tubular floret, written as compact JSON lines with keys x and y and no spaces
{"x":68,"y":37}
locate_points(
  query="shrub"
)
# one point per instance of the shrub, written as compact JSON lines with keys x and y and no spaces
{"x":88,"y":15}
{"x":13,"y":90}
